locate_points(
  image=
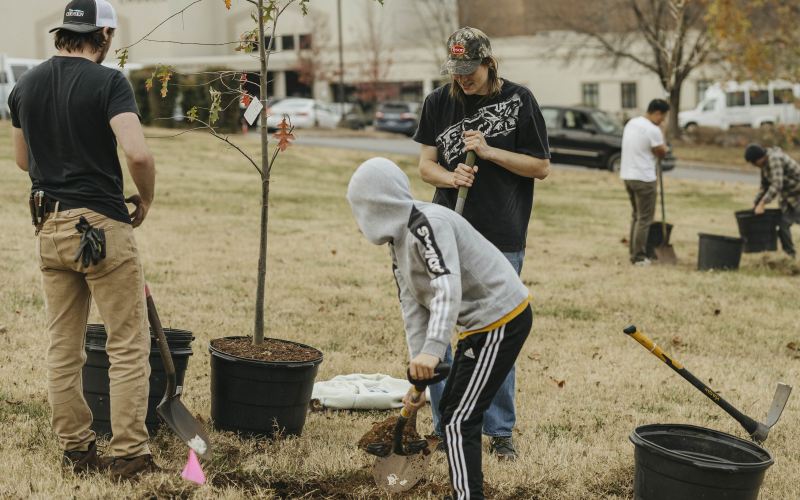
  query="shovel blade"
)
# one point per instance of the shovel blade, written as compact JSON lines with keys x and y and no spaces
{"x":778,"y":403}
{"x":666,"y":255}
{"x":175,"y":414}
{"x":398,"y":473}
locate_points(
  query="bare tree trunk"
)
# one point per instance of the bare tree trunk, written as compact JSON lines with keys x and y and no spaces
{"x":258,"y":329}
{"x":674,"y":107}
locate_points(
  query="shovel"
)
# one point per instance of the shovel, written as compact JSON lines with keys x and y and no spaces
{"x":171,"y":410}
{"x":463,"y":190}
{"x":757,"y":430}
{"x":396,"y":470}
{"x":664,"y":251}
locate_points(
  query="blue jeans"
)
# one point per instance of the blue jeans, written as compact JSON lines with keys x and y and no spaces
{"x":500,"y":418}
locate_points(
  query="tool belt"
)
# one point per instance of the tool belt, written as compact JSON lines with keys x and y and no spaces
{"x":41,"y":205}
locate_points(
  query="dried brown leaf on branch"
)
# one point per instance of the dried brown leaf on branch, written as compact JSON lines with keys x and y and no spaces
{"x":283,"y":136}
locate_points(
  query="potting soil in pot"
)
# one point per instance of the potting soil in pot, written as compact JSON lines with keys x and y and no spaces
{"x":270,"y":350}
{"x":383,"y":432}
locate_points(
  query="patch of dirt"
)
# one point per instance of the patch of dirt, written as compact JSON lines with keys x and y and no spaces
{"x":383,"y":432}
{"x":617,"y":481}
{"x":270,"y":350}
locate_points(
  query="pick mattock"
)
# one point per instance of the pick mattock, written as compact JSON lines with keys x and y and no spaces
{"x":757,"y":430}
{"x":171,"y":409}
{"x":398,"y":470}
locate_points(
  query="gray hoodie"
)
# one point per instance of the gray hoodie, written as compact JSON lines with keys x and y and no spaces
{"x":446,"y":272}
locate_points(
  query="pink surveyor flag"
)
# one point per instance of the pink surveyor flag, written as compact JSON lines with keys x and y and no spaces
{"x":192,"y":471}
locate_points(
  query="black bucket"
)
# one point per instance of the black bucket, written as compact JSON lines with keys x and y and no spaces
{"x":759,"y":232}
{"x":654,"y":238}
{"x":96,"y":381}
{"x":688,"y":462}
{"x":261,"y":398}
{"x":719,"y":252}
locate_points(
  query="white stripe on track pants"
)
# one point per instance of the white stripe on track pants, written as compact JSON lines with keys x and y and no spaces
{"x":468,"y":393}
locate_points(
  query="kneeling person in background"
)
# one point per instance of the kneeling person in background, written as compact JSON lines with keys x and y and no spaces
{"x":447,"y":274}
{"x":780,"y":177}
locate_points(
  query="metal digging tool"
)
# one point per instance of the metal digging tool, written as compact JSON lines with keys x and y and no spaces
{"x":463,"y":190}
{"x":171,"y":409}
{"x":664,"y":251}
{"x":396,"y":469}
{"x":757,"y":430}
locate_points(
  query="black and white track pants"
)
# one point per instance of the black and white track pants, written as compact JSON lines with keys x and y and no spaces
{"x":481,"y":364}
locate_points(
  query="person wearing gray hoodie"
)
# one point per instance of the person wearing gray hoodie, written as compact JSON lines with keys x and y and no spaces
{"x":447,"y":275}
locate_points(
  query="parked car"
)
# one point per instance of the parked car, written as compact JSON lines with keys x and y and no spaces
{"x":354,"y":117}
{"x":398,"y":117}
{"x":303,"y":113}
{"x":588,"y":137}
{"x":745,"y":104}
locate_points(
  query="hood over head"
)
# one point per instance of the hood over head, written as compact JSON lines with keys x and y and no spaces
{"x":380,"y":197}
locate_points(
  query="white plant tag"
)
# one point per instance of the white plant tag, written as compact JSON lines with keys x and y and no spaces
{"x":253,"y":110}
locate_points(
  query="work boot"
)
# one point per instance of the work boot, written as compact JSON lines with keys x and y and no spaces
{"x":131,"y":469}
{"x":442,"y":446}
{"x":503,"y":447}
{"x":83,"y":461}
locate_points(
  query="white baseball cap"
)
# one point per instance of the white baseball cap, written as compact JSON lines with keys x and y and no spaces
{"x":86,"y":16}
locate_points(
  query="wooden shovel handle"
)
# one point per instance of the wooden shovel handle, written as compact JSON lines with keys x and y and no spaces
{"x":463,"y":190}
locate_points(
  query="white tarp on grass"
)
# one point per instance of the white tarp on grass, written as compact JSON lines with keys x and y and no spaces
{"x":361,"y":392}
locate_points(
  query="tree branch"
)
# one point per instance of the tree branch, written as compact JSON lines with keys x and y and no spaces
{"x":162,"y":23}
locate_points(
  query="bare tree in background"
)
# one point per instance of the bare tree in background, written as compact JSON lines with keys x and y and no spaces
{"x":312,"y":64}
{"x":436,"y":21}
{"x":376,"y":60}
{"x":667,"y":37}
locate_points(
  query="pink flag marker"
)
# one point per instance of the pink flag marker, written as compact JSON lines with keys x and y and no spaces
{"x":193,"y":471}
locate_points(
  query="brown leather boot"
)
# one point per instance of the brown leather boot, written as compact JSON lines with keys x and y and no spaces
{"x":131,"y":469}
{"x":83,"y":461}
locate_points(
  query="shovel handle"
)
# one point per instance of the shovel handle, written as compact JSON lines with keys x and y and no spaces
{"x":463,"y":190}
{"x":161,"y":341}
{"x":750,"y":425}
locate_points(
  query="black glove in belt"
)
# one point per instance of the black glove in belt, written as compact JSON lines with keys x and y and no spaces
{"x":92,"y":245}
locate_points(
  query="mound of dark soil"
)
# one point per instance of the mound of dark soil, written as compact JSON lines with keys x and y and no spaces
{"x":383,"y":432}
{"x":270,"y":350}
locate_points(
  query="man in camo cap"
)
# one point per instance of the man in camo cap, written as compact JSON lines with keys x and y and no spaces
{"x":501,"y":122}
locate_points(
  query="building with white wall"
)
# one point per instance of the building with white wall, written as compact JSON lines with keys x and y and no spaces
{"x":404,"y":43}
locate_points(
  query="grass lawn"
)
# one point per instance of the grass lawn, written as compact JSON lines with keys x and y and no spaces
{"x":330,"y":288}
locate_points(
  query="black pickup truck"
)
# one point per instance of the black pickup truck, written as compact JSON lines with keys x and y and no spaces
{"x":588,"y":137}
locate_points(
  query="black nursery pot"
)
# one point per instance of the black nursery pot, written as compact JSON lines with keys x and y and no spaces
{"x":96,"y":381}
{"x":261,"y":398}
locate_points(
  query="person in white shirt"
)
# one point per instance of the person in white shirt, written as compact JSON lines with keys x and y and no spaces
{"x":643,"y":145}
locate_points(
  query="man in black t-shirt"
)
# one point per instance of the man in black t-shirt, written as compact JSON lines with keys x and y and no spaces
{"x":500,"y":121}
{"x":68,"y":114}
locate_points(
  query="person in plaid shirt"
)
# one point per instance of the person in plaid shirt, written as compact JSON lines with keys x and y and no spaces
{"x":780,"y":176}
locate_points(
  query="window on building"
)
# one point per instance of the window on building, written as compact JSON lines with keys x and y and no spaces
{"x":305,"y":42}
{"x":759,"y":97}
{"x":702,"y":86}
{"x":734,"y":99}
{"x":591,"y":95}
{"x":287,"y":42}
{"x":255,"y":44}
{"x":628,"y":96}
{"x":783,"y":96}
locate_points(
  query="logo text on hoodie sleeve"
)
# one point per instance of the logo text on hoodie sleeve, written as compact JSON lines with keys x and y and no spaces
{"x":418,"y":224}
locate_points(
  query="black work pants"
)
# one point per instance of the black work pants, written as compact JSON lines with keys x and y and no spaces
{"x":481,"y":364}
{"x":790,"y":216}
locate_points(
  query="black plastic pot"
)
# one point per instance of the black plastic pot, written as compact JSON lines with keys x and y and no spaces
{"x":96,"y":381}
{"x":683,"y":461}
{"x":759,"y":232}
{"x":261,"y":398}
{"x":719,"y":252}
{"x":654,"y":238}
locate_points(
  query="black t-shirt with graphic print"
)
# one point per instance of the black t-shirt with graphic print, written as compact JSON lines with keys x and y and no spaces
{"x":499,"y":202}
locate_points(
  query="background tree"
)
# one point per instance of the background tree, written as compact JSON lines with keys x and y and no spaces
{"x":376,"y":60}
{"x":313,"y":61}
{"x":670,"y":38}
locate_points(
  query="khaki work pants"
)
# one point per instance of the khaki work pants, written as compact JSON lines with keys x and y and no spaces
{"x":117,"y":284}
{"x":643,"y":200}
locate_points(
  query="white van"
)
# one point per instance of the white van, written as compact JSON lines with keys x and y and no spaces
{"x":11,"y":70}
{"x":746,"y":104}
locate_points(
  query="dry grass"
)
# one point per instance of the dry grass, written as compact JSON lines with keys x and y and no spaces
{"x":199,"y":251}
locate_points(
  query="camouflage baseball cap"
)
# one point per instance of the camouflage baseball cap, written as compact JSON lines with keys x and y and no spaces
{"x":467,"y":47}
